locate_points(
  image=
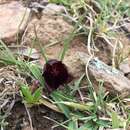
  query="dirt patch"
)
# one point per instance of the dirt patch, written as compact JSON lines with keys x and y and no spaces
{"x":49,"y":29}
{"x":18,"y":119}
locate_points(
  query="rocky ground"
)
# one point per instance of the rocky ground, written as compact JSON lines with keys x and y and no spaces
{"x":20,"y":23}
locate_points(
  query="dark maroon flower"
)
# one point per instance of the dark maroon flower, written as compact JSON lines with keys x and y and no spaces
{"x":55,"y":74}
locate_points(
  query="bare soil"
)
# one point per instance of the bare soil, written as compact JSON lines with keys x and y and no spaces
{"x":18,"y":119}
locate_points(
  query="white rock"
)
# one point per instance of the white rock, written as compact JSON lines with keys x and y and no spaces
{"x":53,"y":9}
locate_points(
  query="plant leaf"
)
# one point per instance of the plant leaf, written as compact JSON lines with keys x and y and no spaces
{"x":36,"y":73}
{"x":26,"y":93}
{"x":73,"y":125}
{"x":37,"y":95}
{"x":115,"y":120}
{"x":62,"y":107}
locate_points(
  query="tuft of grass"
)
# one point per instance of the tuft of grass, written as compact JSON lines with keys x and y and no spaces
{"x":7,"y":58}
{"x":29,"y":97}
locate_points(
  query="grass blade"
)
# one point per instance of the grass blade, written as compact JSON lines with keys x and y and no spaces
{"x":37,"y":95}
{"x":62,"y":107}
{"x":115,"y":120}
{"x":35,"y":70}
{"x":26,"y":93}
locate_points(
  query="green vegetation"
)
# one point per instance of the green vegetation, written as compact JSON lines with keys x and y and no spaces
{"x":28,"y":96}
{"x":92,"y":110}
